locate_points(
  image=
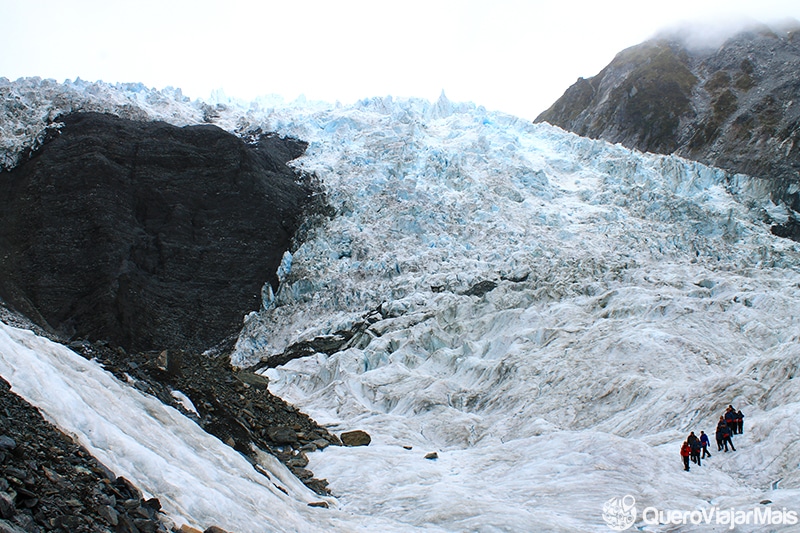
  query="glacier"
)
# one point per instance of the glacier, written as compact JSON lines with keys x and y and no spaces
{"x":550,"y":314}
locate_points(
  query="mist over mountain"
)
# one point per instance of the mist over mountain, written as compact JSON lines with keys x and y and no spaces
{"x":729,"y":99}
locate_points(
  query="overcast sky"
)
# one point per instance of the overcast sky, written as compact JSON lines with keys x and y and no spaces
{"x":516,"y":56}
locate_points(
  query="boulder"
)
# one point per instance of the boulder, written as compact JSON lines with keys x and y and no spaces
{"x":321,"y":443}
{"x":7,"y":527}
{"x":323,"y":505}
{"x":109,"y":514}
{"x":7,"y":508}
{"x":356,"y":438}
{"x":252,"y":379}
{"x":282,"y":435}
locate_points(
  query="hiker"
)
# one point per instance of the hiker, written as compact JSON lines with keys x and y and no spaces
{"x":720,"y":425}
{"x":726,"y":436}
{"x":730,"y":419}
{"x":694,"y":448}
{"x":739,"y":422}
{"x":704,"y":444}
{"x":685,"y":455}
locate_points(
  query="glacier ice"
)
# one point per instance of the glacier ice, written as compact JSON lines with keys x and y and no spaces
{"x":631,"y":298}
{"x":624,"y":316}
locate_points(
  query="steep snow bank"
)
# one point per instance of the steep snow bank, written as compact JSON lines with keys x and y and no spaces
{"x":198,"y":479}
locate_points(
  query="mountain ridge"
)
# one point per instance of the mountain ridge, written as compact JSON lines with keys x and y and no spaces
{"x":735,"y":106}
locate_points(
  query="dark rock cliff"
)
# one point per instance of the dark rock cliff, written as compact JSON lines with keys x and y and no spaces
{"x":735,"y":106}
{"x":144,"y":234}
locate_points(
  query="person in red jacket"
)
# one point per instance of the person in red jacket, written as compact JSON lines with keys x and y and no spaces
{"x":685,"y":452}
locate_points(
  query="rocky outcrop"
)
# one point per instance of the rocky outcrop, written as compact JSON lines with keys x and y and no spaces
{"x":735,"y":106}
{"x":48,"y":483}
{"x":144,"y":234}
{"x":235,"y":406}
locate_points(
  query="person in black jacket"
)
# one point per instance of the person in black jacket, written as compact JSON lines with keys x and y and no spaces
{"x":739,"y":422}
{"x":694,"y":448}
{"x":726,"y":435}
{"x":719,"y":434}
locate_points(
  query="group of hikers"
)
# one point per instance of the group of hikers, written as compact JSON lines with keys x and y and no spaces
{"x":731,"y":423}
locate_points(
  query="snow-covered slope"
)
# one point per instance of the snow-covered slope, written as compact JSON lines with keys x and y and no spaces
{"x":637,"y":296}
{"x":197,"y":478}
{"x":633,"y":297}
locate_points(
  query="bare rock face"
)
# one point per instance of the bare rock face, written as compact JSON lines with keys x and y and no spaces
{"x":144,"y":234}
{"x":733,"y":105}
{"x":638,"y":99}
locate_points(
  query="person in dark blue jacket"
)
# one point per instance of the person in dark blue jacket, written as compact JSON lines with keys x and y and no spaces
{"x":730,"y":419}
{"x":704,"y":444}
{"x":739,"y":422}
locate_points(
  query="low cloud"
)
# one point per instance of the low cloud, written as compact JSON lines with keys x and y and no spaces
{"x":705,"y":34}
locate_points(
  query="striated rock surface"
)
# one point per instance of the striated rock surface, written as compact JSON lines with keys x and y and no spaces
{"x":734,"y":105}
{"x":144,"y":234}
